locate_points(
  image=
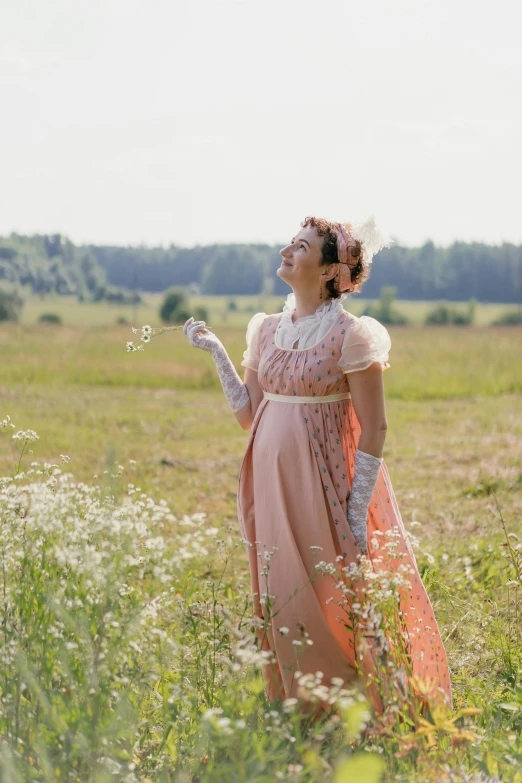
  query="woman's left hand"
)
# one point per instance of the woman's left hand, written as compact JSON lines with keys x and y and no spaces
{"x":362,"y":542}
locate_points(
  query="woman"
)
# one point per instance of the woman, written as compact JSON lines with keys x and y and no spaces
{"x":313,"y":475}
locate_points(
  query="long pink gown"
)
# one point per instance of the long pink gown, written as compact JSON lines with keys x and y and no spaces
{"x":294,"y":484}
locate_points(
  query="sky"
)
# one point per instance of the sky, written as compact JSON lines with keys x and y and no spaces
{"x":202,"y":121}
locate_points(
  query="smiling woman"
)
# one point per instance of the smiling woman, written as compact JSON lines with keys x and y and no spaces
{"x":313,"y":474}
{"x":347,"y":248}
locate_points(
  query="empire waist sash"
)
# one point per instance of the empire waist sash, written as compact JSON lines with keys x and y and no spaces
{"x":306,"y":399}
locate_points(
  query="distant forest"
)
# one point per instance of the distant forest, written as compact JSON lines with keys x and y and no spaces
{"x":44,"y":263}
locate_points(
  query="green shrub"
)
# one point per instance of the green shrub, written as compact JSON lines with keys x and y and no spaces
{"x":200,"y":314}
{"x":438,"y":315}
{"x":383,"y":310}
{"x":231,"y":304}
{"x":11,"y":305}
{"x":117,"y":296}
{"x":50,"y":318}
{"x":174,"y":307}
{"x":511,"y":318}
{"x":442,"y":315}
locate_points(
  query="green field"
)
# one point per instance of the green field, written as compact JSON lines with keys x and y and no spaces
{"x":74,"y":313}
{"x":453,"y":449}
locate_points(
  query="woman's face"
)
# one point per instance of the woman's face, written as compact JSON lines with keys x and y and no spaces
{"x":300,"y":262}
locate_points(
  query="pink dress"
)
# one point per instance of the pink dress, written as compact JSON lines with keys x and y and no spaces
{"x":294,"y":484}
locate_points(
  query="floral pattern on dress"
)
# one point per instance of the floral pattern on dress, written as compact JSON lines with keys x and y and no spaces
{"x":332,"y":431}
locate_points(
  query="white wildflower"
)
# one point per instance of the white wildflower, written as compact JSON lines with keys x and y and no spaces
{"x":26,"y":435}
{"x":6,"y":422}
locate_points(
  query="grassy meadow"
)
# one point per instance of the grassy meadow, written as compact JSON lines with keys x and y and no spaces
{"x":154,"y":680}
{"x":104,"y":313}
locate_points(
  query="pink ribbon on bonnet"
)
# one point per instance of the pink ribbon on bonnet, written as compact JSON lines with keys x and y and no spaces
{"x":344,"y":241}
{"x":372,"y":238}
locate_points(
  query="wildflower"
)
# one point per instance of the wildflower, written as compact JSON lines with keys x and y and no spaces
{"x":424,"y":686}
{"x":5,"y":422}
{"x":211,"y":712}
{"x":148,"y":331}
{"x":442,"y":723}
{"x":283,"y":629}
{"x":27,"y":435}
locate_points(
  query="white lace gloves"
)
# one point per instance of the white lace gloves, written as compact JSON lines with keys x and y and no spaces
{"x":366,"y":472}
{"x":235,"y":390}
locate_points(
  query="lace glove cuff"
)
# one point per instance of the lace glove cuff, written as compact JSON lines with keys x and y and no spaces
{"x":235,"y":390}
{"x":366,"y":472}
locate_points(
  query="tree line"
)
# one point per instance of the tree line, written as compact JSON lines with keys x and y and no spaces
{"x":52,"y":263}
{"x":43,"y":263}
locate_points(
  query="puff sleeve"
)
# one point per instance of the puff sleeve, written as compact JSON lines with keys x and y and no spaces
{"x":251,"y":355}
{"x":366,"y":341}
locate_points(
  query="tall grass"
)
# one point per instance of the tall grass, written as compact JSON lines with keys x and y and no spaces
{"x":129,"y":651}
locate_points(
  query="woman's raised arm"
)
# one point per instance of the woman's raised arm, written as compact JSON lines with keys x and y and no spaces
{"x":242,"y":405}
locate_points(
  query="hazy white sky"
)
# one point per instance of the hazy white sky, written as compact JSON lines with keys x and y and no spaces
{"x":198,"y":121}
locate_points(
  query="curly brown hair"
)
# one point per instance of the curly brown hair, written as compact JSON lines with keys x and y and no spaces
{"x":360,"y":271}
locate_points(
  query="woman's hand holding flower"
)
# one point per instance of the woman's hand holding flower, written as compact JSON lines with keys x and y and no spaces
{"x":235,"y":390}
{"x":200,"y":337}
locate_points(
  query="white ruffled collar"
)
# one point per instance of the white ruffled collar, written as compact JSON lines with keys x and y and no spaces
{"x":328,"y":308}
